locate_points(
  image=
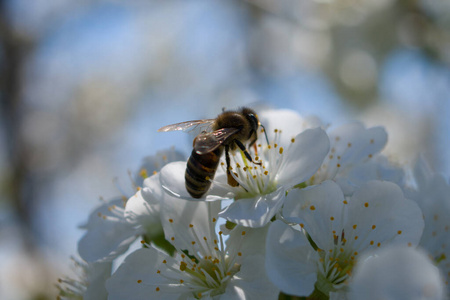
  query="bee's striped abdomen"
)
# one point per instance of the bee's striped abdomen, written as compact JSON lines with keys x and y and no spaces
{"x":200,"y":170}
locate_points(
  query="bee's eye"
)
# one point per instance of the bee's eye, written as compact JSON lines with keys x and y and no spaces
{"x":254,"y":121}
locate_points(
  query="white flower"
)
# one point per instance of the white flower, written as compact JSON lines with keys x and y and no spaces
{"x":203,"y":266}
{"x":114,"y":226}
{"x":352,"y":149}
{"x":108,"y":233}
{"x":397,"y":273}
{"x":89,"y":284}
{"x":433,"y":197}
{"x":154,"y":163}
{"x":262,"y":187}
{"x":333,"y":231}
{"x":142,"y":210}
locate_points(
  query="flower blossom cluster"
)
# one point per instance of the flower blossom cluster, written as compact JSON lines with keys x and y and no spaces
{"x":319,"y":213}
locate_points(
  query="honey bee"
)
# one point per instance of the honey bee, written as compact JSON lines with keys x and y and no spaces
{"x":229,"y":131}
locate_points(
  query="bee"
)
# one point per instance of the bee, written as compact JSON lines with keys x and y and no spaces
{"x":229,"y":131}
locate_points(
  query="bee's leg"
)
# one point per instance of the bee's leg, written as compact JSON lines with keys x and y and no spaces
{"x":242,"y":147}
{"x":230,"y":179}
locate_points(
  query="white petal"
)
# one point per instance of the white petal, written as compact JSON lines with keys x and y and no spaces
{"x":433,"y":197}
{"x":107,"y":235}
{"x":354,"y":143}
{"x":319,"y":209}
{"x":286,"y":120}
{"x":303,"y":157}
{"x":382,"y":214}
{"x":185,"y":220}
{"x":105,"y":243}
{"x":144,"y":207}
{"x":255,"y":212}
{"x":137,"y":279}
{"x":251,"y":282}
{"x":351,"y":145}
{"x":97,"y":276}
{"x":378,"y":168}
{"x":96,"y":216}
{"x":254,"y":241}
{"x":172,"y":179}
{"x":400,"y":273}
{"x":290,"y":260}
{"x":155,"y":162}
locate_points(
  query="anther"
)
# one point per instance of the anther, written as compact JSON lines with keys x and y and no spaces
{"x":143,"y":173}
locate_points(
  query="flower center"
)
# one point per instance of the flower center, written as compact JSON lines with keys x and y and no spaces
{"x":257,"y":177}
{"x":335,"y":267}
{"x":335,"y":264}
{"x":203,"y":268}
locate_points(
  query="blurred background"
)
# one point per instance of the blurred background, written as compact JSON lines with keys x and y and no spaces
{"x":84,"y":86}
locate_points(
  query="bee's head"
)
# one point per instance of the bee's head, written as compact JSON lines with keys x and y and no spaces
{"x":252,"y":117}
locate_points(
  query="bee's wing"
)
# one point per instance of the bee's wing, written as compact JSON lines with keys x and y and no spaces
{"x":209,"y":141}
{"x":187,"y":126}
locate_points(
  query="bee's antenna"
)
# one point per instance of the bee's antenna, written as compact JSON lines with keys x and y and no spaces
{"x":265,"y":133}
